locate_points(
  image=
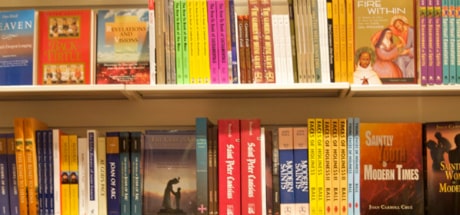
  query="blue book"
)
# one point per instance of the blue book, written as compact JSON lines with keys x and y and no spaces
{"x":234,"y":56}
{"x":136,"y":188}
{"x":12,"y":179}
{"x":41,"y":169}
{"x":92,"y":136}
{"x":202,"y":127}
{"x":4,"y":183}
{"x":17,"y":47}
{"x":113,"y":173}
{"x":169,"y":172}
{"x":286,"y":170}
{"x":302,"y":194}
{"x":125,"y":189}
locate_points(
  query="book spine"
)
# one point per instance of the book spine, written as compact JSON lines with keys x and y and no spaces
{"x":57,"y":203}
{"x":229,"y":166}
{"x":160,"y":57}
{"x":178,"y":42}
{"x":48,"y":172}
{"x":101,"y":172}
{"x":4,"y":183}
{"x":278,"y":50}
{"x":320,"y":163}
{"x":20,"y":164}
{"x":83,"y":173}
{"x":41,"y":170}
{"x":437,"y":13}
{"x":300,"y":144}
{"x":251,"y":173}
{"x":293,"y":39}
{"x":247,"y":50}
{"x":343,"y":40}
{"x":92,"y":136}
{"x":113,"y":174}
{"x":125,"y":177}
{"x":222,"y":44}
{"x":215,"y":177}
{"x":356,"y":166}
{"x":64,"y":177}
{"x":202,"y":165}
{"x":233,"y":41}
{"x":241,"y":52}
{"x":350,"y":164}
{"x":73,"y":174}
{"x":204,"y":42}
{"x":452,"y":43}
{"x":12,"y":175}
{"x":275,"y":172}
{"x":312,"y":165}
{"x":287,"y":55}
{"x":457,"y":30}
{"x":136,"y":181}
{"x":445,"y":55}
{"x":336,"y":41}
{"x":327,"y":144}
{"x":430,"y":40}
{"x":152,"y":42}
{"x":192,"y":39}
{"x":167,"y":40}
{"x":255,"y":29}
{"x":335,"y":173}
{"x":343,"y":161}
{"x":350,"y":40}
{"x":268,"y":63}
{"x":423,"y":42}
{"x":185,"y":41}
{"x":287,"y":185}
{"x":330,"y":38}
{"x":315,"y":40}
{"x":213,"y":42}
{"x":172,"y":41}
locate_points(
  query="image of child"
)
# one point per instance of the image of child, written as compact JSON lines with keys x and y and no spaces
{"x":364,"y":74}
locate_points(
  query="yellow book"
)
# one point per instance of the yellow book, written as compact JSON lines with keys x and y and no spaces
{"x":65,"y":165}
{"x":327,"y":144}
{"x":192,"y":41}
{"x":21,"y":165}
{"x":336,"y":39}
{"x":343,"y":41}
{"x":312,"y":165}
{"x":31,"y":125}
{"x":73,"y":174}
{"x":319,"y":164}
{"x":335,"y":166}
{"x":205,"y":69}
{"x":350,"y":40}
{"x":343,"y":165}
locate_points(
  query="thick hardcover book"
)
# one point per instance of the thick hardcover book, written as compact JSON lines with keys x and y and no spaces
{"x":391,"y":168}
{"x":442,"y":165}
{"x":113,"y":173}
{"x":65,"y":38}
{"x":12,"y":174}
{"x":73,"y":174}
{"x":229,"y":167}
{"x":251,"y":171}
{"x":122,"y":55}
{"x":125,"y":174}
{"x":300,"y":143}
{"x":18,"y":47}
{"x":4,"y":182}
{"x":169,"y":180}
{"x":203,"y":129}
{"x":287,"y":186}
{"x":136,"y":181}
{"x":385,"y":47}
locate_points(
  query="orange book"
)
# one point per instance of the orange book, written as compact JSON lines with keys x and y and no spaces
{"x":21,"y":165}
{"x":31,"y":125}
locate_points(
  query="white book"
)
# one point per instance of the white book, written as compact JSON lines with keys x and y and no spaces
{"x":152,"y":42}
{"x":57,"y":171}
{"x":323,"y":42}
{"x":277,"y":53}
{"x":288,"y":48}
{"x":92,"y":184}
{"x":263,"y":170}
{"x":83,"y":172}
{"x":101,"y":175}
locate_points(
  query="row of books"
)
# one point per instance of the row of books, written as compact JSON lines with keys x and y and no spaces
{"x":210,"y":42}
{"x":235,"y":166}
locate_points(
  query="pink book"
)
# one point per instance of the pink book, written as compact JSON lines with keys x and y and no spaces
{"x":228,"y":156}
{"x":437,"y":42}
{"x":423,"y":43}
{"x":430,"y":37}
{"x":213,"y":42}
{"x":222,"y":42}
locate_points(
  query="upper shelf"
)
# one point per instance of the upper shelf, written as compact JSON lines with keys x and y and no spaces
{"x":140,"y":92}
{"x":74,"y":4}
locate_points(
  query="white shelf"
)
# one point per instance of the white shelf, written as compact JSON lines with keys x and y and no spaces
{"x":403,"y":90}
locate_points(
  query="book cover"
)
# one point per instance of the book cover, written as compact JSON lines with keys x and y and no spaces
{"x":203,"y":129}
{"x":391,"y":168}
{"x":287,"y":186}
{"x":301,"y":177}
{"x":113,"y":173}
{"x":65,"y":38}
{"x":4,"y":182}
{"x":74,"y":175}
{"x":251,"y":172}
{"x":12,"y":174}
{"x":169,"y":178}
{"x":18,"y":47}
{"x":442,"y":152}
{"x":136,"y":178}
{"x":229,"y":167}
{"x":83,"y":175}
{"x":123,"y":47}
{"x":385,"y":47}
{"x":31,"y":125}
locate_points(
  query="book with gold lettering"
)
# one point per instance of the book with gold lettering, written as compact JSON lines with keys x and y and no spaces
{"x":391,"y":168}
{"x":122,"y":52}
{"x":442,"y":163}
{"x":65,"y":40}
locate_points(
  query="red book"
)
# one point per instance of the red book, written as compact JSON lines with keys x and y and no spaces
{"x":65,"y":45}
{"x":251,"y":170}
{"x":229,"y":166}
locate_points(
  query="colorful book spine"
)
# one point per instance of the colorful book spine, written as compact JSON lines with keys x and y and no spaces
{"x":222,"y":44}
{"x":343,"y":40}
{"x":4,"y":183}
{"x":136,"y":181}
{"x":327,"y":144}
{"x":452,"y":43}
{"x":335,"y":171}
{"x":179,"y":46}
{"x":247,"y":50}
{"x":300,"y":150}
{"x":231,"y":24}
{"x":350,"y":164}
{"x":423,"y":42}
{"x":83,"y":175}
{"x":202,"y":147}
{"x":430,"y":40}
{"x":20,"y":164}
{"x":330,"y":39}
{"x":343,"y":160}
{"x":356,"y":166}
{"x":203,"y":42}
{"x":319,"y":139}
{"x":336,"y":41}
{"x":125,"y":175}
{"x":268,"y":63}
{"x":457,"y":30}
{"x":113,"y":173}
{"x":73,"y":174}
{"x":41,"y":169}
{"x":438,"y":43}
{"x":350,"y":40}
{"x":185,"y":41}
{"x":255,"y":30}
{"x":287,"y":193}
{"x":213,"y":42}
{"x":241,"y":53}
{"x":312,"y":165}
{"x":92,"y":136}
{"x":12,"y":175}
{"x":192,"y":40}
{"x":64,"y":177}
{"x":445,"y":42}
{"x":152,"y":42}
{"x":101,"y":172}
{"x":48,"y":173}
{"x":229,"y":166}
{"x":251,"y":172}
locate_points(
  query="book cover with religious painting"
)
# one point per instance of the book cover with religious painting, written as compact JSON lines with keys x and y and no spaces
{"x":123,"y":47}
{"x":442,"y":154}
{"x":169,"y":172}
{"x":391,"y":166}
{"x":65,"y":39}
{"x":385,"y":42}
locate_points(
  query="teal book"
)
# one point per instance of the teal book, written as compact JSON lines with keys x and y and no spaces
{"x":203,"y":129}
{"x":136,"y":188}
{"x":452,"y":42}
{"x":169,"y":179}
{"x":445,"y":42}
{"x":125,"y":190}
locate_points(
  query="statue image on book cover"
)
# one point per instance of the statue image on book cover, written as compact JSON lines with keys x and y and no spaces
{"x":167,"y":204}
